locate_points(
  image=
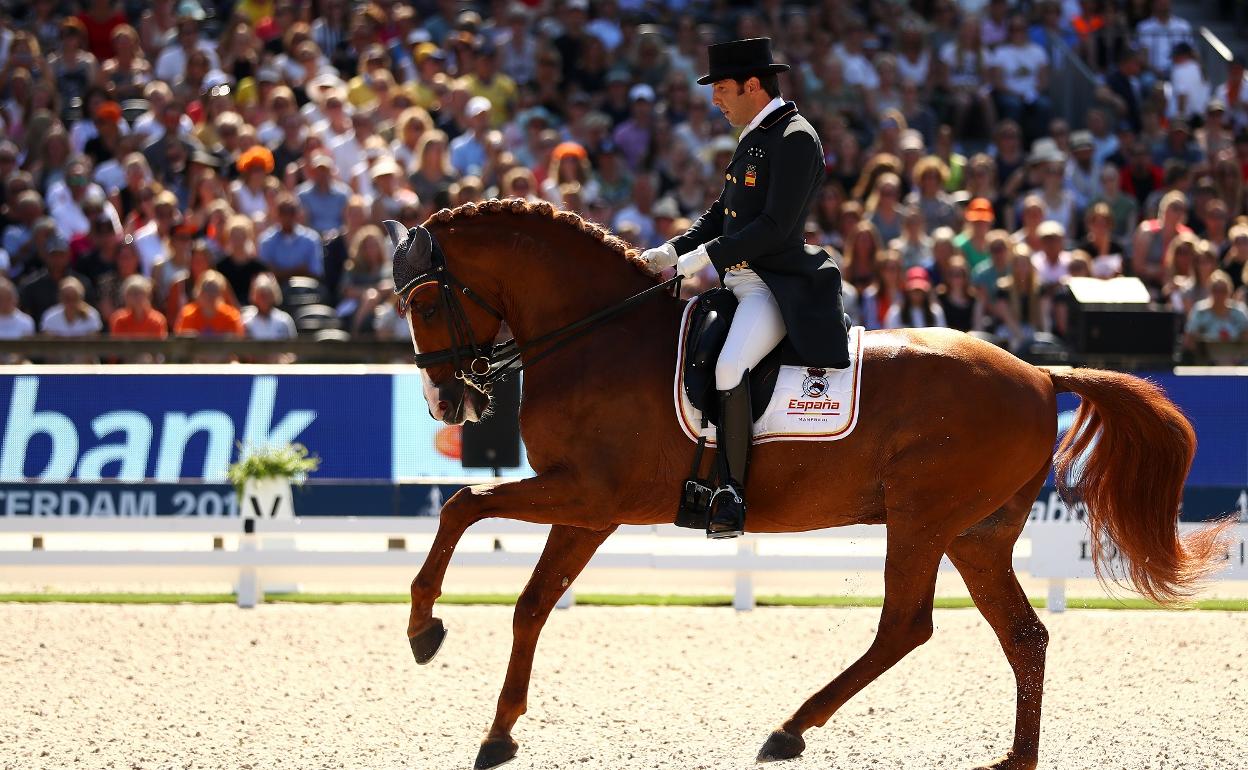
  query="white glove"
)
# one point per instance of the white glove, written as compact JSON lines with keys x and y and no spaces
{"x":659,"y":258}
{"x":691,"y":262}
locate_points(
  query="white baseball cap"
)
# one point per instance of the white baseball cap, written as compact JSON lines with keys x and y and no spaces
{"x":477,"y":105}
{"x":641,"y":91}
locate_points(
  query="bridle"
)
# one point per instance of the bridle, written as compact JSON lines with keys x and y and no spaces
{"x":487,"y":363}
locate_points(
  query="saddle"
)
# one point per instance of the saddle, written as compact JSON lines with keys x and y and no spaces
{"x":706,"y":330}
{"x":709,"y":321}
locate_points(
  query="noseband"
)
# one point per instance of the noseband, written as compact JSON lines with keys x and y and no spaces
{"x":487,"y":363}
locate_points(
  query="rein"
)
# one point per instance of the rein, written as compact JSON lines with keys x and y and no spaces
{"x":491,"y":363}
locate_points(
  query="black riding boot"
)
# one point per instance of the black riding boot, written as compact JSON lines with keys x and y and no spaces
{"x":733,"y":438}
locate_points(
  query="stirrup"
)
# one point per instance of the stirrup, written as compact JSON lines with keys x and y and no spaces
{"x":736,"y":498}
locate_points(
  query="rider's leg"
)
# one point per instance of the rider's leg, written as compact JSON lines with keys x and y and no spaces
{"x":756,"y":329}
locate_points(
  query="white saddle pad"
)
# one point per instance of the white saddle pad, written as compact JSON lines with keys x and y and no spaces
{"x":807,"y":405}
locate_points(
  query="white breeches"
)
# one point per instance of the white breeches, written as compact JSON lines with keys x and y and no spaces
{"x":756,"y":328}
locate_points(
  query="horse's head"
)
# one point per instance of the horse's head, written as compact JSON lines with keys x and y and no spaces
{"x":453,"y":329}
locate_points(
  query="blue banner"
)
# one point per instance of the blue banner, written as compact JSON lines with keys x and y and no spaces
{"x":130,"y":424}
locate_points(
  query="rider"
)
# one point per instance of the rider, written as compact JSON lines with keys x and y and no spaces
{"x":754,"y":236}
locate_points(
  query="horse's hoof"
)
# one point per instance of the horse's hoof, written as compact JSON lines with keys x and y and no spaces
{"x":494,"y":753}
{"x":781,"y":745}
{"x":426,"y":644}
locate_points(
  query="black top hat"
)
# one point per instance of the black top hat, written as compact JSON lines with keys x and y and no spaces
{"x":738,"y":59}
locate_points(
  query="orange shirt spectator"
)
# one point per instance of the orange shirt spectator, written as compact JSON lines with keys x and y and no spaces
{"x":210,"y":315}
{"x":137,"y":318}
{"x":127,"y":323}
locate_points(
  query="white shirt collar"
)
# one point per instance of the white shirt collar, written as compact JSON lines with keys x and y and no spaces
{"x":775,"y":103}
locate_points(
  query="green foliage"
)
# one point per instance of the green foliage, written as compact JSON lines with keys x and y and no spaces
{"x":290,"y":462}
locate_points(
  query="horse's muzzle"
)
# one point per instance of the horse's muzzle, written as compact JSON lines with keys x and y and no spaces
{"x":458,"y":402}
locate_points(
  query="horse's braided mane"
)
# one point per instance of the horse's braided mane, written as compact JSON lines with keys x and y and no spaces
{"x":522,"y":207}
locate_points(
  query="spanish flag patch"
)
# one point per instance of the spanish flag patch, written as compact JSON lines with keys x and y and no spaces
{"x":751,"y":176}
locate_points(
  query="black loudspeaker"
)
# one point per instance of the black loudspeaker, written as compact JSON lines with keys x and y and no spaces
{"x":495,"y":442}
{"x":1115,"y":317}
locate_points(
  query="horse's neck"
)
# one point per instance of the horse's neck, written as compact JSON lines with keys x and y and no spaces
{"x":544,"y":290}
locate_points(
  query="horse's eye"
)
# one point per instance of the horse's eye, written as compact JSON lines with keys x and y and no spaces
{"x":427,"y":311}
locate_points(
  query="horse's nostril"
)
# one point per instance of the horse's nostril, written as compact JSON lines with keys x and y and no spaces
{"x":444,"y":406}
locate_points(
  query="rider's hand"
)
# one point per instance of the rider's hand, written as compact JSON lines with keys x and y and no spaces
{"x":690,"y":263}
{"x":658,"y":258}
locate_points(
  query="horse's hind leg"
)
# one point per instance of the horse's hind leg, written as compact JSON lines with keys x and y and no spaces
{"x":983,"y":555}
{"x":913,"y":558}
{"x":568,"y":550}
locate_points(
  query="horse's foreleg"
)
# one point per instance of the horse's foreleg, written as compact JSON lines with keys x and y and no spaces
{"x":910,"y":567}
{"x":568,"y":550}
{"x":543,"y":499}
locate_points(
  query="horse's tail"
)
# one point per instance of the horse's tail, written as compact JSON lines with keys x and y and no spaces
{"x":1127,"y":456}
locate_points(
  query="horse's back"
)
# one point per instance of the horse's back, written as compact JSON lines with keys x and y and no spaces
{"x":942,"y":384}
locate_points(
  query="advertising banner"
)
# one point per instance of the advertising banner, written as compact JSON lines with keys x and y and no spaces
{"x":135,"y":441}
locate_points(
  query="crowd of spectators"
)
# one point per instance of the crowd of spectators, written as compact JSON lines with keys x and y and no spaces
{"x":173,"y":167}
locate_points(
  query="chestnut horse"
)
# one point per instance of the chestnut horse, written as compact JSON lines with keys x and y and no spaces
{"x":955,"y":440}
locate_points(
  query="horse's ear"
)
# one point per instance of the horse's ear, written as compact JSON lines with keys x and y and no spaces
{"x":395,"y":231}
{"x":413,"y":254}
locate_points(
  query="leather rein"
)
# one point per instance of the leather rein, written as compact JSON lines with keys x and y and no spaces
{"x":488,"y":363}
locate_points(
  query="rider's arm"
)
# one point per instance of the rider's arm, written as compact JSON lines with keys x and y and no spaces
{"x":708,"y":226}
{"x":796,"y":166}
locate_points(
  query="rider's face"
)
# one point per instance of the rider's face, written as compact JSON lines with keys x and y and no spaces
{"x":733,"y":99}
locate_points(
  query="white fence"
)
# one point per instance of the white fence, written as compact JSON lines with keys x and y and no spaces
{"x":1059,"y":551}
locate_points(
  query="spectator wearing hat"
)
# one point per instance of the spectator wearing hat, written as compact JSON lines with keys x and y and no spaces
{"x":973,"y":240}
{"x":291,"y":248}
{"x":150,"y":239}
{"x":41,"y":289}
{"x":1082,"y":172}
{"x":633,"y":136}
{"x":361,"y":92}
{"x":252,"y":194}
{"x":569,"y":162}
{"x":1052,"y":262}
{"x":109,"y":129}
{"x":1060,"y":204}
{"x":485,"y":80}
{"x":467,"y":151}
{"x":322,"y":198}
{"x":390,"y":191}
{"x":918,"y":307}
